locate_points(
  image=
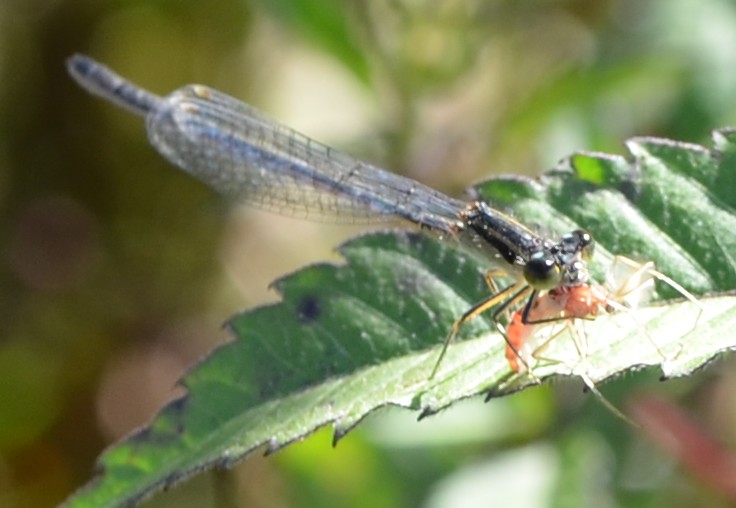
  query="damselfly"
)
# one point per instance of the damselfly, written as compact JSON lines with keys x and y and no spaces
{"x":243,"y":154}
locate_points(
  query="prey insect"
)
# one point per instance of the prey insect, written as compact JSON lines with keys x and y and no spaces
{"x":628,"y":285}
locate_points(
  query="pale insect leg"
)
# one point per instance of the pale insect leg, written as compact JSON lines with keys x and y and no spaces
{"x":501,"y":300}
{"x":568,"y":304}
{"x":628,"y":285}
{"x":637,"y":288}
{"x":580,"y":300}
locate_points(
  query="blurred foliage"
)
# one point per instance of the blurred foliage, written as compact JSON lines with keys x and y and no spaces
{"x":110,"y":282}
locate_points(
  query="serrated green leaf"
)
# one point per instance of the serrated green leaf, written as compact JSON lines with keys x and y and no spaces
{"x":349,"y":339}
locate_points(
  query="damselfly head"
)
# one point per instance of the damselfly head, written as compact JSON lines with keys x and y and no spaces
{"x":571,"y":255}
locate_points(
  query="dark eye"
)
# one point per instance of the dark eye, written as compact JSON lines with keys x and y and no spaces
{"x":542,"y":271}
{"x":586,"y":243}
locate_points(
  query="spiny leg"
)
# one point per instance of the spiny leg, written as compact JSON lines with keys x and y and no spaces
{"x":589,"y":383}
{"x":519,"y":295}
{"x":538,"y":355}
{"x":559,"y":313}
{"x":488,"y":277}
{"x":475,"y":310}
{"x":649,"y":269}
{"x":636,"y":282}
{"x":576,"y":304}
{"x":491,"y":283}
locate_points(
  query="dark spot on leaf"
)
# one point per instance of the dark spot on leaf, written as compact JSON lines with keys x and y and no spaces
{"x":309,"y":309}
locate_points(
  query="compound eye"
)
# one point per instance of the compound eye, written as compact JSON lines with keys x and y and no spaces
{"x":586,"y":244}
{"x":542,"y":271}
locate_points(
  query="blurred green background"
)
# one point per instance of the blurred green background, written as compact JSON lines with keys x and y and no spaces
{"x":116,"y":271}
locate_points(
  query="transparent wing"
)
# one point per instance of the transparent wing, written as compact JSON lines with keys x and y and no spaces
{"x":244,"y":154}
